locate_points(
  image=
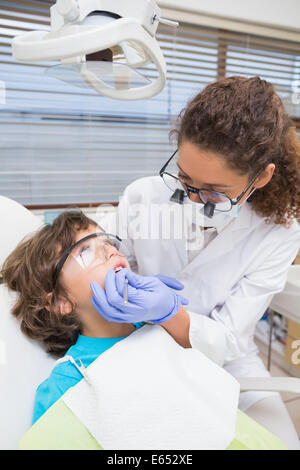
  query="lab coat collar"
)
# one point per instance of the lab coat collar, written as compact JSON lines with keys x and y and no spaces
{"x":245,"y":218}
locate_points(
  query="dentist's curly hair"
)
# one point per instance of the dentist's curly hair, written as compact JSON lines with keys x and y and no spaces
{"x":244,"y":120}
{"x":28,"y":271}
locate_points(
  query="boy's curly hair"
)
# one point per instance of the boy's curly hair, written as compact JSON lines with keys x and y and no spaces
{"x":28,"y":270}
{"x":243,"y":119}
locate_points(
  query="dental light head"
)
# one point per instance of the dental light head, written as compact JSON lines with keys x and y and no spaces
{"x":100,"y":44}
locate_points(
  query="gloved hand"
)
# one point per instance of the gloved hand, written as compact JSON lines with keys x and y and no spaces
{"x":149,"y":298}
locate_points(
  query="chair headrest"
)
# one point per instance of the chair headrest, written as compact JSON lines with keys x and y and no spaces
{"x":16,"y":223}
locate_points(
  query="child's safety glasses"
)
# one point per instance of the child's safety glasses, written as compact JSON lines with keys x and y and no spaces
{"x":89,"y":252}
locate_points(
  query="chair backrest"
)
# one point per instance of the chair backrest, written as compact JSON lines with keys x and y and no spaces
{"x":16,"y":223}
{"x":24,"y":364}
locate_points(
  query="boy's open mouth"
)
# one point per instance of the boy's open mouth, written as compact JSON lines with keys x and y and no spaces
{"x":118,"y":268}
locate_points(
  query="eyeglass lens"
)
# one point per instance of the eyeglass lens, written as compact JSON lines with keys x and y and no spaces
{"x":221,"y":201}
{"x":93,"y":252}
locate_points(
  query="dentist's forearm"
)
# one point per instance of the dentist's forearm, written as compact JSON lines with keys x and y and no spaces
{"x":178,"y":327}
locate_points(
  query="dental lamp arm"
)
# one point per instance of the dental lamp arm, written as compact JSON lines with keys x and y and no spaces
{"x":40,"y":45}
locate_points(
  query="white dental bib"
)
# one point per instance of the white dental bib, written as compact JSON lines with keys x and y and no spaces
{"x":147,"y":392}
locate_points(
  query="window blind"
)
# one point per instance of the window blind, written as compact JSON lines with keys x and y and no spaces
{"x":65,"y":145}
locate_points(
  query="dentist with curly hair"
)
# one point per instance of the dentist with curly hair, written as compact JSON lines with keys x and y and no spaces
{"x":237,"y":170}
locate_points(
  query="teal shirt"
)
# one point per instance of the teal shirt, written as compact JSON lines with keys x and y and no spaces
{"x":66,"y":375}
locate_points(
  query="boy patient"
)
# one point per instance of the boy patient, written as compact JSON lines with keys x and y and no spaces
{"x":52,"y":273}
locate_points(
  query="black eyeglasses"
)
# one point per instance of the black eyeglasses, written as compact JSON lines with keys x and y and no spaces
{"x":85,"y":250}
{"x":221,"y":201}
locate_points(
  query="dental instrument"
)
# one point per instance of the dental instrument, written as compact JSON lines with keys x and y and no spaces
{"x":160,"y":307}
{"x":125,"y":295}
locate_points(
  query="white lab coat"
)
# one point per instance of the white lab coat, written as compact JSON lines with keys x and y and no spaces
{"x":229,"y":284}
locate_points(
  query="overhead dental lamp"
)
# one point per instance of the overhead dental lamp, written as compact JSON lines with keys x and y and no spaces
{"x":100,"y":43}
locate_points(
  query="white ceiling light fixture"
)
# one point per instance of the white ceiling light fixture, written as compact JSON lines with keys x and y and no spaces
{"x":100,"y":43}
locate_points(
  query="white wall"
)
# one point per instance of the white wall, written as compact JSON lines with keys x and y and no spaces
{"x":282,"y":13}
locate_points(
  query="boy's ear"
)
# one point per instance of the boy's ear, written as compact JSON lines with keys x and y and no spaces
{"x":64,"y":305}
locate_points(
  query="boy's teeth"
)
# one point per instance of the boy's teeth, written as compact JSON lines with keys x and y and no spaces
{"x":118,"y":269}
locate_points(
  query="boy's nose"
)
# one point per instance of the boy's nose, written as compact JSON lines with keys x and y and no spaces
{"x":110,"y":250}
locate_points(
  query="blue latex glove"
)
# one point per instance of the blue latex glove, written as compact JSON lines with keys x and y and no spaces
{"x":149,"y":298}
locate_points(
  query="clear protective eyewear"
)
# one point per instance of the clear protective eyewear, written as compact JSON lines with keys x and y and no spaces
{"x":88,"y":253}
{"x":221,"y":201}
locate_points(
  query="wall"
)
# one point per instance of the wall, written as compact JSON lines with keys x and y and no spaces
{"x":278,"y":13}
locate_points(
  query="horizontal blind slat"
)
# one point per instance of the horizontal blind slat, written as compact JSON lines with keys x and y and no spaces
{"x":62,"y":144}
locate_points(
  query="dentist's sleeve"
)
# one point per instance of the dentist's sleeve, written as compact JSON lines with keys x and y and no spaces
{"x":226,"y":333}
{"x":206,"y":335}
